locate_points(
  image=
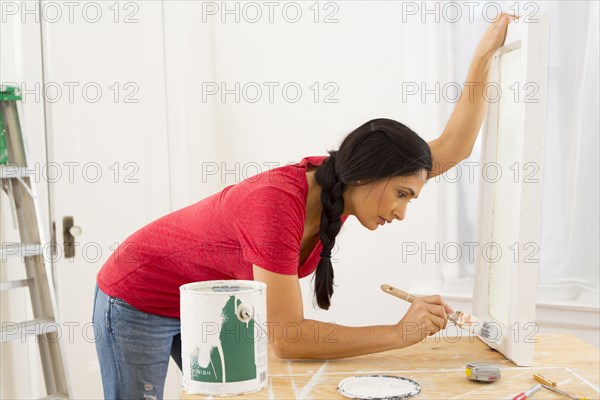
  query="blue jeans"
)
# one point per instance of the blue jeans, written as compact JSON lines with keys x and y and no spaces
{"x":133,"y":348}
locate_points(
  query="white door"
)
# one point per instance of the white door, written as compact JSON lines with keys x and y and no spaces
{"x":107,"y":139}
{"x":510,"y":194}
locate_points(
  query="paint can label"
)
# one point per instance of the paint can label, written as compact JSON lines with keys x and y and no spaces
{"x":224,"y":342}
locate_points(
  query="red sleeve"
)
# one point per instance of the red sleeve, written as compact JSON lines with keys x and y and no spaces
{"x":269,"y":223}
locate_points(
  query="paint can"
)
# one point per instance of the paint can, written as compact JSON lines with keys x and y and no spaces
{"x":223,"y":337}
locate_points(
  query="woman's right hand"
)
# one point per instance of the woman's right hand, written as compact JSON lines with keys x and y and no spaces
{"x":494,"y":37}
{"x":425,"y":317}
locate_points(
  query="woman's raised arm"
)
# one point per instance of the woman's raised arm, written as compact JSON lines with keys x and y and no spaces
{"x":457,"y":140}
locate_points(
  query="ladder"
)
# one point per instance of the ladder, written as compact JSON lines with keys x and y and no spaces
{"x":18,"y":186}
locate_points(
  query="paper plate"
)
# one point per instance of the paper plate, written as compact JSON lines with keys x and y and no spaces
{"x":378,"y":387}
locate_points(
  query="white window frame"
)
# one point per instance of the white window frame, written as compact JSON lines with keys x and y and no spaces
{"x":516,"y":340}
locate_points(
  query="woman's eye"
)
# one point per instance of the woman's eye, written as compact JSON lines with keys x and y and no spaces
{"x":402,"y":195}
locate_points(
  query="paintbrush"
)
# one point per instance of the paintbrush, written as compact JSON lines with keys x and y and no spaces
{"x":458,"y":318}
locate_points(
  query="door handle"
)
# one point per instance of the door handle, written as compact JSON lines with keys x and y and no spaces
{"x":69,"y":232}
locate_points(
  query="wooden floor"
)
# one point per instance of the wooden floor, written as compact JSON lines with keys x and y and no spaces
{"x":439,"y":367}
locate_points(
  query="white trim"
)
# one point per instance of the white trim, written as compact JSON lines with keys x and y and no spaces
{"x":517,"y":321}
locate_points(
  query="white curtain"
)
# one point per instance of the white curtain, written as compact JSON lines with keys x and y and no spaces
{"x":569,"y":256}
{"x":569,"y":242}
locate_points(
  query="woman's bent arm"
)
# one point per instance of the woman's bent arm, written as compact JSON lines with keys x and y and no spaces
{"x":293,"y":337}
{"x":318,"y":340}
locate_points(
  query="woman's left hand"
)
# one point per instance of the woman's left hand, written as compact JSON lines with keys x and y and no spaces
{"x":494,"y":36}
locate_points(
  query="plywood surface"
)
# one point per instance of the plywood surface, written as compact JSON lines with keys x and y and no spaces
{"x":439,"y":367}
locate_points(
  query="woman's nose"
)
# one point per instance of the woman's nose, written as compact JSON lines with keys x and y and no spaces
{"x":400,"y":212}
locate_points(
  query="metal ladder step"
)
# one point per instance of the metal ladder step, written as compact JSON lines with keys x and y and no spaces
{"x":14,"y":171}
{"x":20,"y":250}
{"x":9,"y":285}
{"x":20,"y":330}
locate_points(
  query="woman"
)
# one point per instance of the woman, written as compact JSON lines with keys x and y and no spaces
{"x":275,"y":228}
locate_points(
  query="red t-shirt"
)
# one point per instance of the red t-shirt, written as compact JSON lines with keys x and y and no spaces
{"x":257,"y":221}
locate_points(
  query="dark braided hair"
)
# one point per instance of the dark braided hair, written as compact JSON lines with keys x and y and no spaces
{"x":380,"y":148}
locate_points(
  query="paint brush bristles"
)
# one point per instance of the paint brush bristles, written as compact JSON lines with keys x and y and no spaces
{"x":458,"y":318}
{"x":490,"y":332}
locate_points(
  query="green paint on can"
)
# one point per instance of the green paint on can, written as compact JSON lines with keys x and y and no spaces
{"x":237,"y":341}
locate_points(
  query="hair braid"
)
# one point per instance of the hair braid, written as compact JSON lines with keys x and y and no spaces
{"x":331,"y":222}
{"x":379,"y":149}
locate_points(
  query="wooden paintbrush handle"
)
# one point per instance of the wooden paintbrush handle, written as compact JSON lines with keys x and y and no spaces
{"x":457,"y":317}
{"x":398,"y":293}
